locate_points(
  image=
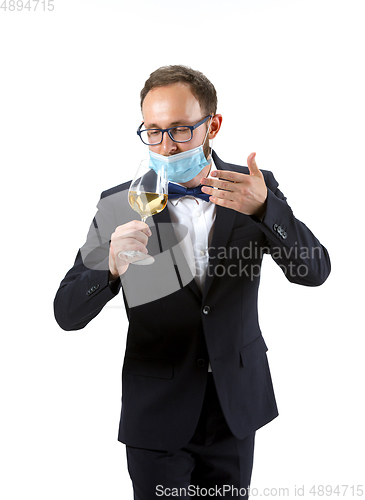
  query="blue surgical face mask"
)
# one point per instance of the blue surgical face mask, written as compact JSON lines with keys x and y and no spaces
{"x":181,"y":167}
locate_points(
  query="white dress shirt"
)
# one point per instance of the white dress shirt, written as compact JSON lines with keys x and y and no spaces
{"x":198,"y":217}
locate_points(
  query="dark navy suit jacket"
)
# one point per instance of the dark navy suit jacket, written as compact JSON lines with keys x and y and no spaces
{"x":175,"y":330}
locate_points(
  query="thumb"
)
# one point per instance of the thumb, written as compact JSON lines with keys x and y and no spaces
{"x":252,"y":166}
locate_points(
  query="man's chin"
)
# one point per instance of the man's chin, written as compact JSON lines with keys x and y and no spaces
{"x":197,"y":179}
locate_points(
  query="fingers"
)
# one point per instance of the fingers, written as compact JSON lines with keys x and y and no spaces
{"x":251,"y":157}
{"x":218,"y":193}
{"x":226,"y":175}
{"x":134,"y":229}
{"x":135,"y":225}
{"x":130,"y":237}
{"x":224,"y":185}
{"x":133,"y":234}
{"x":219,"y":183}
{"x":252,"y":166}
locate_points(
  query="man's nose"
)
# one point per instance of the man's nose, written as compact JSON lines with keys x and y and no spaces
{"x":167,"y":145}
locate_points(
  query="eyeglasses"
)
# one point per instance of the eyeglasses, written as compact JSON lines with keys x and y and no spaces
{"x":154,"y":136}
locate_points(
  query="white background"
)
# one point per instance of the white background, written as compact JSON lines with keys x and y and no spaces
{"x":290,"y":83}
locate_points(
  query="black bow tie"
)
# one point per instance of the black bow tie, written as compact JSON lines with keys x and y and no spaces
{"x":177,"y":191}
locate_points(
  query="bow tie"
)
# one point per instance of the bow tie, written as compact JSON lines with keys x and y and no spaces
{"x":177,"y":191}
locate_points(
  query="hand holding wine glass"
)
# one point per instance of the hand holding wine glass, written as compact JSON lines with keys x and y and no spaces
{"x":147,"y":196}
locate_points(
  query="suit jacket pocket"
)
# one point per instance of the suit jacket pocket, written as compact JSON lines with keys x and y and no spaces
{"x":149,"y":367}
{"x":244,"y":232}
{"x":253,"y":351}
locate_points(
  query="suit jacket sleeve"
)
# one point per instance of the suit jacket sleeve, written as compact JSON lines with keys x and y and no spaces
{"x":291,"y":244}
{"x":85,"y":289}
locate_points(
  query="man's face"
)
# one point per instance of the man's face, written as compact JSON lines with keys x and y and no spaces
{"x":173,"y":105}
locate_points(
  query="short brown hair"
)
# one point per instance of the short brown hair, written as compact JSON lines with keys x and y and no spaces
{"x":199,"y":84}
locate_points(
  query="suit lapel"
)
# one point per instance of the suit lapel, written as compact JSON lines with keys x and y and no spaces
{"x":222,"y":229}
{"x":223,"y":224}
{"x":169,"y":242}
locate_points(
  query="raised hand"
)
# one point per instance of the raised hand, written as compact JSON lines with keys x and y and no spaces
{"x":241,"y":192}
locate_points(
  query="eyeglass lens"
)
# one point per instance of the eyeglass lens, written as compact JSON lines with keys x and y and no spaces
{"x":154,"y":136}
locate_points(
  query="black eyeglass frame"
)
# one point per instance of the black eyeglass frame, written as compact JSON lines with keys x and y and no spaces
{"x":163,"y":130}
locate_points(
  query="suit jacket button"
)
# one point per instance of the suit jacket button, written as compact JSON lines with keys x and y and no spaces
{"x":201,"y":363}
{"x":206,"y":310}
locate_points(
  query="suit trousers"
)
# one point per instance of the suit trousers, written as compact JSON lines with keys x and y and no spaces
{"x":214,"y":464}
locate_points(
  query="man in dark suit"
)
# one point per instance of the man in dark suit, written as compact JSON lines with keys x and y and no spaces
{"x":196,"y":381}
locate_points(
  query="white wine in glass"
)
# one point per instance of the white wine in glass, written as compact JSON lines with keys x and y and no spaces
{"x":146,"y":204}
{"x":147,"y":196}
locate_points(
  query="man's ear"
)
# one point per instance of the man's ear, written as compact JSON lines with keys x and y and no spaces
{"x":215,"y":125}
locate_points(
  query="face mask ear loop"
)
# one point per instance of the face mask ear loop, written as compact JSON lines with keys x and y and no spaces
{"x":210,"y":140}
{"x":210,"y":158}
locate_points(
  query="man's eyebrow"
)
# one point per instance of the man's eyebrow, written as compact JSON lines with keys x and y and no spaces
{"x":173,"y":124}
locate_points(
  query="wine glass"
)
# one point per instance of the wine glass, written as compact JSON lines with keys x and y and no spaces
{"x":147,"y":196}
